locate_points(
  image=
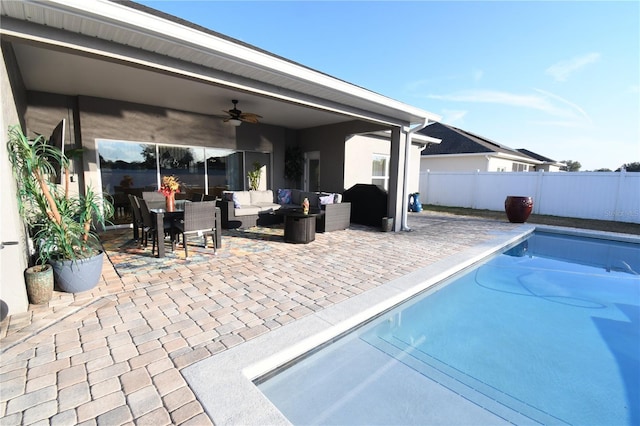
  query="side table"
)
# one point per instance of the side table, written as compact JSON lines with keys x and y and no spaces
{"x":299,"y":228}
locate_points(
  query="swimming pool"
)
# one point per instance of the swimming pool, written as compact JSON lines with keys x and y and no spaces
{"x":548,"y":332}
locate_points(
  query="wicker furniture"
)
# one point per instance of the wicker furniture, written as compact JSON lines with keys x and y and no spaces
{"x":334,"y":217}
{"x":259,"y":210}
{"x":156,"y":228}
{"x":299,"y":228}
{"x":200,"y":220}
{"x":138,"y":224}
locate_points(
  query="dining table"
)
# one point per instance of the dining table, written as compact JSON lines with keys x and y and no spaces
{"x":162,"y":216}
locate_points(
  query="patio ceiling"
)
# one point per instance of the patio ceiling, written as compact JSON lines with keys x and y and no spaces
{"x":131,"y":53}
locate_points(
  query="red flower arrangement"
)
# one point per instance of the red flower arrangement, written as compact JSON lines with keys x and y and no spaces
{"x":170,"y":185}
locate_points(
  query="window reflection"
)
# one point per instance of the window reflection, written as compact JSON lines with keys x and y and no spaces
{"x":126,"y":168}
{"x":131,"y":168}
{"x":187,"y":164}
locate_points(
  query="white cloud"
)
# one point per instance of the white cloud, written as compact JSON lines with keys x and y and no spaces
{"x":451,"y":116}
{"x":562,"y":70}
{"x":542,"y":101}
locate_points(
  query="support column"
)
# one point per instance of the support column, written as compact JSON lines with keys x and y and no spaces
{"x":396,"y":177}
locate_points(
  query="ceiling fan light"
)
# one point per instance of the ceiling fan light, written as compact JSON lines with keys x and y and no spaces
{"x":234,"y":122}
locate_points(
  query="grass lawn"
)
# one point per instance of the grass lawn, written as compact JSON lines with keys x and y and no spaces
{"x":599,"y":225}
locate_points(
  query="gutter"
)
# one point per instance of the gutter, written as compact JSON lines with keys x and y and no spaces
{"x":405,"y":194}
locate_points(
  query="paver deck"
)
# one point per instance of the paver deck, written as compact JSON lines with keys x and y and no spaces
{"x":114,"y":355}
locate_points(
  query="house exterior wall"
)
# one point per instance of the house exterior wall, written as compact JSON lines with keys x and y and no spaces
{"x":330,"y":142}
{"x":547,"y":168}
{"x":496,"y":164}
{"x":13,"y":258}
{"x":454,"y":163}
{"x":108,"y":119}
{"x":359,"y":151}
{"x":470,"y":163}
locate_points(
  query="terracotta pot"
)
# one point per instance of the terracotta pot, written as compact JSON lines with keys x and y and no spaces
{"x":517,"y":208}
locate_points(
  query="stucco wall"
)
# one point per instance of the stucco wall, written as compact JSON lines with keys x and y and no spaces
{"x":454,"y":163}
{"x":330,"y":141}
{"x":359,"y":151}
{"x":13,"y":258}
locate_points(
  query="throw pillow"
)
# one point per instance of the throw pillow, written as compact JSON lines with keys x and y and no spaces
{"x":328,"y":199}
{"x":284,"y":196}
{"x":236,"y":202}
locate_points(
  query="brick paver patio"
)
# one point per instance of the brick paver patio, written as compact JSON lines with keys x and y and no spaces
{"x":113,"y":355}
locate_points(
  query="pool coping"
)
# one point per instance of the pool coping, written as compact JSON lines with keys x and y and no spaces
{"x":224,"y":383}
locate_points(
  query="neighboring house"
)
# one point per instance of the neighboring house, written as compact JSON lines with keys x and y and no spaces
{"x":548,"y":165}
{"x":462,"y":151}
{"x":143,"y":93}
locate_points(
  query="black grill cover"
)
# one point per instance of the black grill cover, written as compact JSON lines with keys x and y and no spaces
{"x":368,"y":204}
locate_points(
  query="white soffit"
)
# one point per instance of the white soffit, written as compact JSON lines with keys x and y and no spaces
{"x":129,"y":26}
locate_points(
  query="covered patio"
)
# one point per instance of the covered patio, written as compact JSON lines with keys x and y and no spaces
{"x":124,"y":72}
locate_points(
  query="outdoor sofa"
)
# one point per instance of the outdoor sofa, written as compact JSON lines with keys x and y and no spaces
{"x":244,"y":209}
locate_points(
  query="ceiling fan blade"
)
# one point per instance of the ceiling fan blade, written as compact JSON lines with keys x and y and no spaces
{"x":250,"y":117}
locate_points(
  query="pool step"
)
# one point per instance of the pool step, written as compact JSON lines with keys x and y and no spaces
{"x":491,"y":399}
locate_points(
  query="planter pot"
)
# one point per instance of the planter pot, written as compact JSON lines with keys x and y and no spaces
{"x":39,"y":280}
{"x":517,"y":208}
{"x":387,"y":224}
{"x":74,"y":276}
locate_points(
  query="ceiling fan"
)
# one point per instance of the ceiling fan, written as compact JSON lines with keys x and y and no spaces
{"x":236,"y":117}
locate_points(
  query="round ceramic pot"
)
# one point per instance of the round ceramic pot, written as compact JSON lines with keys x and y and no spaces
{"x":518,"y":208}
{"x":75,"y":276}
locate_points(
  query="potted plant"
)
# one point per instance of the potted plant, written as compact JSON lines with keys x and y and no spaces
{"x":254,"y":176}
{"x":60,"y":225}
{"x":293,"y":164}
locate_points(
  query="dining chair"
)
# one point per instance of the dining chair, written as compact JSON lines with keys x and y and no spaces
{"x":199,"y":219}
{"x":150,"y":226}
{"x":138,"y":224}
{"x":154,"y":199}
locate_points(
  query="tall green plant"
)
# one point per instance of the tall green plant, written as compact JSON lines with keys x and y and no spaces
{"x":254,"y":176}
{"x":60,"y":225}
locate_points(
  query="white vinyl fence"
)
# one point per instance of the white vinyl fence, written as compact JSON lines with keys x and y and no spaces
{"x":589,"y":195}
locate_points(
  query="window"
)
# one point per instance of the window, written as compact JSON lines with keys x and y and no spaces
{"x":131,"y":168}
{"x":380,"y":171}
{"x":519,"y":167}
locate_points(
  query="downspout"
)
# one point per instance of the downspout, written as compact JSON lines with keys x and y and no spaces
{"x":405,"y":191}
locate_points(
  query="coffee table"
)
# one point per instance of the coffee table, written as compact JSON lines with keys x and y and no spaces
{"x":299,"y":228}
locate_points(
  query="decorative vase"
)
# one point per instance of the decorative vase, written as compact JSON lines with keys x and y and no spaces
{"x":171,"y":202}
{"x":39,"y":280}
{"x":518,"y":208}
{"x":305,"y":206}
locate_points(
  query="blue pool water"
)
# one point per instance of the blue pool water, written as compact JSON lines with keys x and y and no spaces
{"x":545,"y":333}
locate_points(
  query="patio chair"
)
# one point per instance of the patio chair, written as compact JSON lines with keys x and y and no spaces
{"x":200,"y":220}
{"x":154,"y":199}
{"x":138,"y":224}
{"x":150,"y":226}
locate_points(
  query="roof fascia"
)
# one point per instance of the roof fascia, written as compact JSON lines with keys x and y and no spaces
{"x":145,"y":24}
{"x":39,"y":35}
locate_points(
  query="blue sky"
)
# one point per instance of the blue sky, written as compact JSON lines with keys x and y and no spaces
{"x":558,"y":78}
